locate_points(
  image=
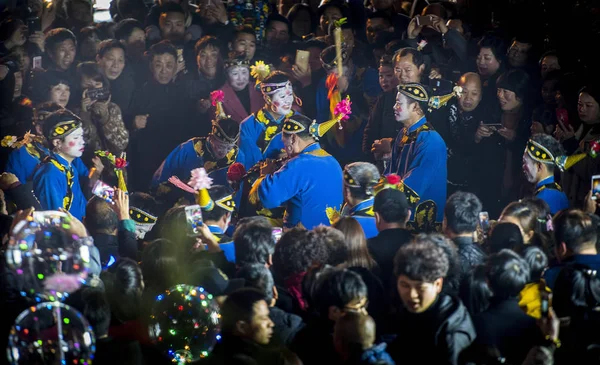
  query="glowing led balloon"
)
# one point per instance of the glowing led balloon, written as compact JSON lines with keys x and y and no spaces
{"x":185,"y":323}
{"x":51,"y":333}
{"x":48,"y":260}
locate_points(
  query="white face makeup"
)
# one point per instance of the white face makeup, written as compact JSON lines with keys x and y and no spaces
{"x":282,"y":100}
{"x":529,"y":168}
{"x":73,"y":144}
{"x":141,"y":229}
{"x":401,"y":111}
{"x":238,"y":77}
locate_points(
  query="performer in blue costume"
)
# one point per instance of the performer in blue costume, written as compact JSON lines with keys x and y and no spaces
{"x":539,"y":162}
{"x":360,"y":179}
{"x":56,"y":183}
{"x":215,"y":153}
{"x":31,"y":150}
{"x":418,"y":156}
{"x":309,"y":182}
{"x":218,"y":218}
{"x":261,"y":132}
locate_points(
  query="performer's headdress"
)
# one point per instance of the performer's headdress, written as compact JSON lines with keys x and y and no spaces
{"x":119,"y":163}
{"x":299,"y":123}
{"x":541,"y":154}
{"x":60,"y":124}
{"x":222,"y":121}
{"x":199,"y":184}
{"x":361,"y":175}
{"x":236,"y":61}
{"x":420,"y":93}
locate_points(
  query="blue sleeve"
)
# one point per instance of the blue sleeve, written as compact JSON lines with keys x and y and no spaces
{"x":248,"y":135}
{"x":179,"y":162}
{"x":50,"y":187}
{"x":371,"y":83}
{"x":81,"y":168}
{"x":18,"y":165}
{"x":322,"y":102}
{"x":274,"y":147}
{"x":556,"y":200}
{"x":278,"y":188}
{"x":426,"y":162}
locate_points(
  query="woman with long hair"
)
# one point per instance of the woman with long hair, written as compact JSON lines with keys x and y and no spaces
{"x":356,"y":244}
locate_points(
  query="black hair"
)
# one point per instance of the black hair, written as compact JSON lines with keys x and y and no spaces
{"x":145,"y":202}
{"x":87,"y":32}
{"x":382,"y":15}
{"x":257,"y":276}
{"x":53,"y":119}
{"x":417,"y":56}
{"x":452,"y":279}
{"x":277,"y":77}
{"x":47,"y":107}
{"x":160,"y":265}
{"x":392,"y":206}
{"x":553,"y":75}
{"x":8,"y":27}
{"x":386,"y":61}
{"x":296,"y":251}
{"x":91,"y":70}
{"x":125,"y":27}
{"x":56,"y":36}
{"x":422,"y":261}
{"x":334,"y":3}
{"x":507,"y":274}
{"x":395,"y":45}
{"x":462,"y":212}
{"x":505,"y":235}
{"x":537,"y":261}
{"x":551,"y":144}
{"x":496,"y":45}
{"x":276,"y":17}
{"x":216,"y":192}
{"x":296,"y":9}
{"x":475,"y":292}
{"x":207,"y":41}
{"x":107,"y":45}
{"x":575,"y":229}
{"x":517,"y":81}
{"x":253,"y":243}
{"x":162,"y":47}
{"x":100,"y":217}
{"x":173,"y":226}
{"x":313,"y":43}
{"x":335,"y":243}
{"x":44,"y":81}
{"x":92,"y":303}
{"x":550,"y":53}
{"x":123,"y":283}
{"x":171,"y":7}
{"x":243,"y":30}
{"x":239,"y":306}
{"x":338,"y":288}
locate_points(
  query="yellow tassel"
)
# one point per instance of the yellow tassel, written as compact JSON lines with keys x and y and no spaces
{"x":121,"y":180}
{"x":204,"y":200}
{"x":566,"y":162}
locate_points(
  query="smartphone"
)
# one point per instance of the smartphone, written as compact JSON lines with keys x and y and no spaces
{"x":99,"y":94}
{"x":302,"y":59}
{"x":104,"y":191}
{"x":193,"y":215}
{"x":493,"y":126}
{"x":423,"y":20}
{"x":37,"y":62}
{"x":544,"y":303}
{"x":276,"y":232}
{"x":562,"y":116}
{"x":484,"y":222}
{"x":595,"y":186}
{"x":34,"y":25}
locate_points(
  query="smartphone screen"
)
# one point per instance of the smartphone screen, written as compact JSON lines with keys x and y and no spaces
{"x":484,"y":221}
{"x":193,"y":215}
{"x":544,"y":306}
{"x":595,"y":186}
{"x":37,"y":62}
{"x":104,"y":191}
{"x":302,"y":59}
{"x":277,"y":232}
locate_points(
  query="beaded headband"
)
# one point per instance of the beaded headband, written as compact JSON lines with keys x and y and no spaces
{"x":539,"y":153}
{"x":236,"y":62}
{"x":271,"y":88}
{"x":220,"y":134}
{"x":226,"y":203}
{"x":140,"y":216}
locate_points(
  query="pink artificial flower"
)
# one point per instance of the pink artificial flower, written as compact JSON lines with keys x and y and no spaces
{"x":62,"y":283}
{"x":217,"y":96}
{"x":200,"y":179}
{"x":343,"y":108}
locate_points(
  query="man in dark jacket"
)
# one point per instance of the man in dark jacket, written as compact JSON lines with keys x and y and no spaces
{"x":113,"y":232}
{"x":257,"y":276}
{"x":246,"y":329}
{"x":391,"y":214}
{"x":461,"y":216}
{"x":430,"y":319}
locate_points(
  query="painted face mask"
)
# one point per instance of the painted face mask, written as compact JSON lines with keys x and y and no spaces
{"x":282,"y":100}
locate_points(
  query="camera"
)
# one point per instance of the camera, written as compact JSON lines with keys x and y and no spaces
{"x":100,"y":94}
